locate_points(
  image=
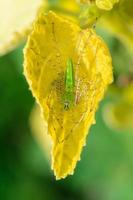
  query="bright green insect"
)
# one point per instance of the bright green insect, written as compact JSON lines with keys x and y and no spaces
{"x":69,"y":95}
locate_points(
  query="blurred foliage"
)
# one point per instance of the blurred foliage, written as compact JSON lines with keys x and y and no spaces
{"x":16,"y":24}
{"x":106,"y":168}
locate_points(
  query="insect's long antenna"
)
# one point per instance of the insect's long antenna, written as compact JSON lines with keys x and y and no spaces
{"x":84,"y":46}
{"x":55,"y":40}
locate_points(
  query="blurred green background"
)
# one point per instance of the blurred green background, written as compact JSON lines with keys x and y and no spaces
{"x":105,"y":171}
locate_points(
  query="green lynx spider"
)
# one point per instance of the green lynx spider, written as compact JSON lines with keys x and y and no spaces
{"x":69,"y":95}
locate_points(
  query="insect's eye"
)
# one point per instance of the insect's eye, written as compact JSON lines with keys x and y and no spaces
{"x":66,"y":105}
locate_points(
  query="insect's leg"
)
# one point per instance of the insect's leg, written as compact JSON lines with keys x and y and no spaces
{"x":79,"y":60}
{"x":52,"y":116}
{"x":83,"y":48}
{"x":56,"y":121}
{"x":78,"y":92}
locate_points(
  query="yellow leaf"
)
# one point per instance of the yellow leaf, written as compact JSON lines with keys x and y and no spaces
{"x":55,"y":39}
{"x":16,"y":17}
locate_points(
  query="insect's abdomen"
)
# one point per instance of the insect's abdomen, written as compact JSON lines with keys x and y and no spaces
{"x":69,"y":83}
